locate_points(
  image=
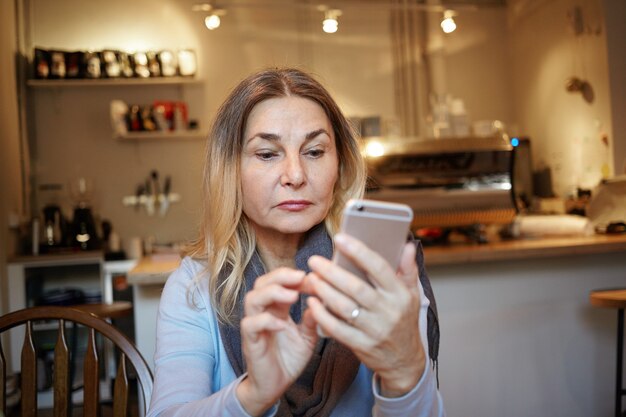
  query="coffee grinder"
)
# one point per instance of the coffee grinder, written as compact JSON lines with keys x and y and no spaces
{"x":55,"y":227}
{"x":52,"y":234}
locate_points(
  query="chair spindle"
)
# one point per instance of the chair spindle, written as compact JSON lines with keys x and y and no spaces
{"x":3,"y":381}
{"x":62,"y":390}
{"x":91,"y":381}
{"x":29,"y":374}
{"x":120,"y":391}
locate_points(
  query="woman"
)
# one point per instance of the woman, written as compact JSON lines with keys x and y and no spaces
{"x":236,"y":332}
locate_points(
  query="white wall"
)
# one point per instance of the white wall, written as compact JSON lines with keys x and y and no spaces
{"x":565,"y":130}
{"x":615,"y":16}
{"x":473,"y":63}
{"x":512,"y":64}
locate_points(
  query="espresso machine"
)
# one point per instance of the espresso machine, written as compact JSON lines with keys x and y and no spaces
{"x":449,"y":183}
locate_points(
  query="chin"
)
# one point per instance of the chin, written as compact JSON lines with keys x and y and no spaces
{"x":298,"y":225}
{"x":296,"y":229}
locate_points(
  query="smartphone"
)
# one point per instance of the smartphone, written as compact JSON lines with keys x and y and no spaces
{"x":381,"y":225}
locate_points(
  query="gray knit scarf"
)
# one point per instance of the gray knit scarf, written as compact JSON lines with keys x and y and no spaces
{"x":333,"y":367}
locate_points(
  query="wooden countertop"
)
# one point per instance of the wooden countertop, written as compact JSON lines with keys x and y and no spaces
{"x":608,"y":298}
{"x":57,"y":259}
{"x":524,"y":249}
{"x":155,"y":271}
{"x":152,"y":270}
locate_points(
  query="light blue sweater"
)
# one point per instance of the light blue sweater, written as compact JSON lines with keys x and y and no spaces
{"x":193,"y":375}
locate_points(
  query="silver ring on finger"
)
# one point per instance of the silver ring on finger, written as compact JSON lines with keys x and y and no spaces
{"x":354,"y":314}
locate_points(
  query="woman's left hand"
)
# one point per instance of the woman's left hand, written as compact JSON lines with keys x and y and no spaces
{"x":384,"y":335}
{"x":275,"y":348}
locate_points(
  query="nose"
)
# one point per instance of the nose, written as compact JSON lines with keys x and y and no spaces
{"x":293,"y":172}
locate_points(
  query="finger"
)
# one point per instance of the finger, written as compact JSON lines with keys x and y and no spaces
{"x":337,"y":302}
{"x":351,"y":285}
{"x":253,"y":326}
{"x":309,"y":327}
{"x":373,"y":322}
{"x":335,"y":328}
{"x":375,"y":266}
{"x":407,"y":271}
{"x":306,"y":286}
{"x":287,"y":277}
{"x":260,"y":299}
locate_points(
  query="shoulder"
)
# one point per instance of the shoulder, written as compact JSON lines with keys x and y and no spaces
{"x":188,"y":272}
{"x":189,"y":268}
{"x":188,"y":282}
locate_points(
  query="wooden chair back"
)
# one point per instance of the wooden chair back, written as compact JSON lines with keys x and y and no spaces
{"x":61,"y":374}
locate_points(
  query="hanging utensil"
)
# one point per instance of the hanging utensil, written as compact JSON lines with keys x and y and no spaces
{"x":165,"y":203}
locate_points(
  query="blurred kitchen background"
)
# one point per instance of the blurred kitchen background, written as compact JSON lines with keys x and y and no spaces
{"x":509,"y":62}
{"x":83,"y":169}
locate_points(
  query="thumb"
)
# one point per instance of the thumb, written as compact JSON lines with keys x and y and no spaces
{"x":407,"y":271}
{"x":308,"y":326}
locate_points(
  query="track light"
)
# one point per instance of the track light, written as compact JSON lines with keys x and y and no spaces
{"x":330,"y":23}
{"x":212,"y":22}
{"x":448,"y":25}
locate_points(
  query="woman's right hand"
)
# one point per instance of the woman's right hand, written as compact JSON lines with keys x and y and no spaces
{"x":275,"y":348}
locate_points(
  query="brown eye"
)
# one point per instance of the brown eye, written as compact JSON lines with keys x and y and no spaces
{"x":315,"y":153}
{"x":265,"y":156}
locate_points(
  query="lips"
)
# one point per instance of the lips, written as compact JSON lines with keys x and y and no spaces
{"x":294,"y":205}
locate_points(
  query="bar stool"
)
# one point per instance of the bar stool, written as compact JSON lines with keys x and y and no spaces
{"x":614,"y":299}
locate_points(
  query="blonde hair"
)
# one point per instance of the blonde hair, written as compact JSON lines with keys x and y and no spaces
{"x":226,"y":240}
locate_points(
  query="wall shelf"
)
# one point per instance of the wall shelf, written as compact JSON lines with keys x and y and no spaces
{"x":108,"y":82}
{"x":171,"y":135}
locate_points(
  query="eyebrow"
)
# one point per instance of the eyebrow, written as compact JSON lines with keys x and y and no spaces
{"x":273,"y":137}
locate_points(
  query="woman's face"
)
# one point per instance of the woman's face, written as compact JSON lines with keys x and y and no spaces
{"x":289,"y":166}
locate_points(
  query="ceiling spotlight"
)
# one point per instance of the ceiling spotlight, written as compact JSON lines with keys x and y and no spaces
{"x":212,"y":22}
{"x":447,"y":24}
{"x":330,"y":23}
